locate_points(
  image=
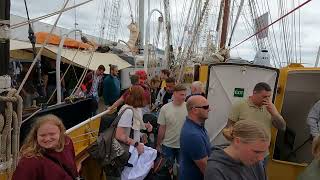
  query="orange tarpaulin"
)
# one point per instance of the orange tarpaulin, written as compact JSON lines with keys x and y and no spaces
{"x":55,"y":40}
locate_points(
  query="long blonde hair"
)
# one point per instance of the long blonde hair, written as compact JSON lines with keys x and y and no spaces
{"x":31,"y":147}
{"x":248,"y":131}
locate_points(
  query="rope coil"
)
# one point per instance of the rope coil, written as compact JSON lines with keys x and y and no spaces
{"x":10,"y":122}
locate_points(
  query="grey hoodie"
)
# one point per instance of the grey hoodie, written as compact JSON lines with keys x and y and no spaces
{"x":313,"y":120}
{"x":222,"y":167}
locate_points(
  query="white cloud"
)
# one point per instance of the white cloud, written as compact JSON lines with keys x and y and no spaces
{"x":89,"y":18}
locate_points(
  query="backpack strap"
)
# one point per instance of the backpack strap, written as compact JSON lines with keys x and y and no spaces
{"x":117,"y":119}
{"x":114,"y":124}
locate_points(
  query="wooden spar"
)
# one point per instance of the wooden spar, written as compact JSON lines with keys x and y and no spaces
{"x":4,"y":41}
{"x":168,"y":50}
{"x":225,"y":23}
{"x":141,"y":24}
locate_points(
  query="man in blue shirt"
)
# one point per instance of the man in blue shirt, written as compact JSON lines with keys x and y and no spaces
{"x":195,"y":145}
{"x":111,"y":86}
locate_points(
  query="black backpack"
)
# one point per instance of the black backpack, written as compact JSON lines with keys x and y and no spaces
{"x":110,"y":154}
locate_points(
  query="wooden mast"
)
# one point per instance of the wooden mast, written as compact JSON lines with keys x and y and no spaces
{"x":4,"y":41}
{"x":225,"y":23}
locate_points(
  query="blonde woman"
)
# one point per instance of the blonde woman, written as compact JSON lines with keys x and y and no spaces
{"x":47,"y":153}
{"x":312,"y":172}
{"x":241,"y":160}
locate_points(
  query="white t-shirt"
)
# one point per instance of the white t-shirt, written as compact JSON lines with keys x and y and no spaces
{"x":173,"y":117}
{"x":126,"y":122}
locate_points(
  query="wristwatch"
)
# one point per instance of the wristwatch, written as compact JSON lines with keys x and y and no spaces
{"x":136,"y":144}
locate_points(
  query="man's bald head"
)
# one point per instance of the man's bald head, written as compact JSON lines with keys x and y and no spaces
{"x":198,"y":108}
{"x":194,"y":101}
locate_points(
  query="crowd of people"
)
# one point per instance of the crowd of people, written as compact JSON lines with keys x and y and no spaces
{"x":181,"y":134}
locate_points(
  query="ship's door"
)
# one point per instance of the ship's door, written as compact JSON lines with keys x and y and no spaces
{"x":228,"y":83}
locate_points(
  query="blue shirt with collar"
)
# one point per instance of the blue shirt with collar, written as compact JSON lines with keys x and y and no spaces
{"x":194,"y":145}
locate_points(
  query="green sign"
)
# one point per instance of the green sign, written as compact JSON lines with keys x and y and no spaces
{"x":238,"y":92}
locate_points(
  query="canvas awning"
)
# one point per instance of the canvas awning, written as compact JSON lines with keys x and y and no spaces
{"x":82,"y":58}
{"x":23,"y":51}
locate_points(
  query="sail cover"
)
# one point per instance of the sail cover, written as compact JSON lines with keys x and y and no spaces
{"x":23,"y":51}
{"x":227,"y":84}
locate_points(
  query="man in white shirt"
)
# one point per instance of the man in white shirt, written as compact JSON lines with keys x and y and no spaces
{"x":171,"y":118}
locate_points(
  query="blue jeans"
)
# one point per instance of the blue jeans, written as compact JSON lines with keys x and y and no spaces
{"x":171,"y":153}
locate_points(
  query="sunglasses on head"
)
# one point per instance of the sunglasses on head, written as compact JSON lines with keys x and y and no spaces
{"x":203,"y":107}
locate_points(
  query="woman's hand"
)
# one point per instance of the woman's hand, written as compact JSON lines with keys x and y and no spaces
{"x":140,"y":148}
{"x":144,"y":139}
{"x":149,"y":127}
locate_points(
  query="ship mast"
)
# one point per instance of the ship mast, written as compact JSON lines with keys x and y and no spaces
{"x":168,"y":49}
{"x":225,"y":23}
{"x":141,"y":24}
{"x":4,"y":37}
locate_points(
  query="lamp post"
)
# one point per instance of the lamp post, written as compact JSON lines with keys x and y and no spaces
{"x":146,"y":44}
{"x":58,"y":61}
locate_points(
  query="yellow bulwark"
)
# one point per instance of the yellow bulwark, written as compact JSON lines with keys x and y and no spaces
{"x":82,"y":138}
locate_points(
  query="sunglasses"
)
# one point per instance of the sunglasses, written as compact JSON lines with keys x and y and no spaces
{"x":203,"y":107}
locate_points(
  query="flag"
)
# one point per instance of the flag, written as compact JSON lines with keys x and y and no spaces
{"x":260,"y":23}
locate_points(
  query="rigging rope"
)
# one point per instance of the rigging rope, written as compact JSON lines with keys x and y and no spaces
{"x":236,"y":21}
{"x":274,"y":36}
{"x":14,"y":26}
{"x":299,"y":33}
{"x":42,"y":47}
{"x":131,"y":12}
{"x":250,"y":28}
{"x":55,"y":90}
{"x":186,"y":24}
{"x":83,"y":75}
{"x":284,"y":32}
{"x":282,"y":17}
{"x":181,"y":28}
{"x":253,"y":15}
{"x":197,"y":27}
{"x":10,"y":123}
{"x":268,"y":43}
